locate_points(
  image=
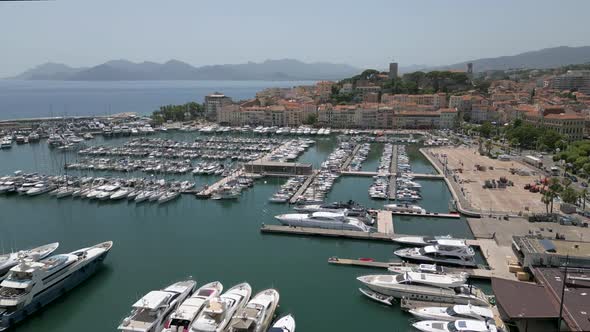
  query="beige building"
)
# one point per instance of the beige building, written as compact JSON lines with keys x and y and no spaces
{"x":569,"y":124}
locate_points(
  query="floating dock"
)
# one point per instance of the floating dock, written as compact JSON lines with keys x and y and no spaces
{"x":351,"y":157}
{"x":385,"y":222}
{"x":308,"y":231}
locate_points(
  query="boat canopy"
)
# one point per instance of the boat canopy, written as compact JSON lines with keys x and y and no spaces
{"x":152,"y":300}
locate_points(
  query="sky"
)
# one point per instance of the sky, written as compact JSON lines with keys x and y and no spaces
{"x":366,"y":34}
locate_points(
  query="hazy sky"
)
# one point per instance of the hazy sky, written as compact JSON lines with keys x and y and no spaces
{"x":366,"y":33}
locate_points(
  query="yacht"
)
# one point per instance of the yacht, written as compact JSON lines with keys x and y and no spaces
{"x":8,"y":261}
{"x":455,"y":312}
{"x":31,"y":285}
{"x":218,"y":312}
{"x":404,"y":208}
{"x":182,"y":318}
{"x":413,"y":287}
{"x":462,"y":255}
{"x":464,"y":325}
{"x":329,"y":207}
{"x":327,"y":220}
{"x":283,"y":324}
{"x":424,"y":268}
{"x":150,"y":312}
{"x":40,"y":188}
{"x":257,"y":314}
{"x":168,"y":196}
{"x":427,"y":240}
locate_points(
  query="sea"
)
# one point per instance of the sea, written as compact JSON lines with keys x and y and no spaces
{"x":207,"y":240}
{"x":34,"y":99}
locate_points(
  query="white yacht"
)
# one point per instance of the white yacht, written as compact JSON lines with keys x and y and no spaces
{"x":424,"y":268}
{"x":427,"y":240}
{"x":427,"y":289}
{"x":40,"y":189}
{"x":31,"y":285}
{"x":464,"y":325}
{"x":150,"y":312}
{"x":283,"y":324}
{"x":257,"y":315}
{"x":455,"y":312}
{"x":455,"y":255}
{"x":8,"y":261}
{"x":218,"y":312}
{"x":405,"y":208}
{"x":327,"y":220}
{"x":182,"y":318}
{"x":168,"y":196}
{"x":120,"y":194}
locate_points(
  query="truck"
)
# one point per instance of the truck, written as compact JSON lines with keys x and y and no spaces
{"x":532,"y":160}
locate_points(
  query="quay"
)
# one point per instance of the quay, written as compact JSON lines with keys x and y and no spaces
{"x":385,"y":222}
{"x":303,"y":187}
{"x":209,"y":190}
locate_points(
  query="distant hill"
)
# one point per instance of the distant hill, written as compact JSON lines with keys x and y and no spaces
{"x":541,"y":59}
{"x":117,"y":70}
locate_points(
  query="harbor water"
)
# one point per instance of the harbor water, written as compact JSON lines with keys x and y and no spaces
{"x":209,"y":240}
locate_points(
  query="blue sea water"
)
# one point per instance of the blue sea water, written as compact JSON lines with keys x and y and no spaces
{"x":31,"y":99}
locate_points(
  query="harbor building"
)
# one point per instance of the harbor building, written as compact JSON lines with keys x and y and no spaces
{"x":533,"y":251}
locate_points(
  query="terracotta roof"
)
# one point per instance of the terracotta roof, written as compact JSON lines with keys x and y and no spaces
{"x":448,"y":110}
{"x":564,"y":116}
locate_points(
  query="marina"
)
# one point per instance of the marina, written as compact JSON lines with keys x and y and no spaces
{"x":255,"y":209}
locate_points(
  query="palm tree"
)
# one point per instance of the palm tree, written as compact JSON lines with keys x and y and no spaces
{"x":554,"y":190}
{"x":489,"y":146}
{"x":583,"y":196}
{"x":546,"y":199}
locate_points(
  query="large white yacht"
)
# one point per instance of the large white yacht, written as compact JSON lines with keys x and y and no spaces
{"x":150,"y":312}
{"x":323,"y":220}
{"x":429,"y":240}
{"x":218,"y":312}
{"x":257,"y":314}
{"x":455,"y":312}
{"x":182,"y":318}
{"x":31,"y":285}
{"x":8,"y":261}
{"x":283,"y":324}
{"x":464,"y":325}
{"x":427,"y":289}
{"x":462,"y":255}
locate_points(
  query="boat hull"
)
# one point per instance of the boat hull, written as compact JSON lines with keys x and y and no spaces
{"x":57,"y":290}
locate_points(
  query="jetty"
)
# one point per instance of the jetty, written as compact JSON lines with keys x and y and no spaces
{"x":428,"y":214}
{"x":209,"y":190}
{"x":303,"y":187}
{"x":351,"y":157}
{"x":477,"y":273}
{"x":385,"y":222}
{"x":414,"y":175}
{"x":308,"y":231}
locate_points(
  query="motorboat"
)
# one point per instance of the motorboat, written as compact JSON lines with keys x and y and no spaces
{"x":119,"y":194}
{"x":463,"y":325}
{"x":327,"y":220}
{"x":425,"y":268}
{"x":7,"y":261}
{"x":284,"y":324}
{"x":40,"y":189}
{"x":31,"y":285}
{"x":329,"y":207}
{"x":412,"y":286}
{"x":383,"y":299}
{"x":404,"y":208}
{"x":168,"y":196}
{"x":455,"y":312}
{"x":257,"y":315}
{"x":150,"y":312}
{"x":455,"y":255}
{"x":216,"y":315}
{"x":182,"y":318}
{"x":426,"y":240}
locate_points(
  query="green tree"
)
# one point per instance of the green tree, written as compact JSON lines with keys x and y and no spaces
{"x":569,"y":195}
{"x":546,"y":198}
{"x":486,"y":129}
{"x":554,"y":189}
{"x":311,"y":119}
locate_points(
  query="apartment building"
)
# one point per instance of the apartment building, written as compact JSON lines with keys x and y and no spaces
{"x":213,"y":102}
{"x":569,"y":124}
{"x":438,"y":100}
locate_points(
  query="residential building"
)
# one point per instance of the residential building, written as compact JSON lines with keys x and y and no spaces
{"x":417,"y":120}
{"x":448,"y":118}
{"x":569,"y":124}
{"x":573,"y":79}
{"x":213,"y":102}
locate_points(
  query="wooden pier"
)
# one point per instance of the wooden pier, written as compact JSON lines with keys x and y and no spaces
{"x":209,"y":190}
{"x":303,"y":187}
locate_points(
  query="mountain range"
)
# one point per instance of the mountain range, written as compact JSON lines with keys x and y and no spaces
{"x":285,"y":69}
{"x":117,"y":70}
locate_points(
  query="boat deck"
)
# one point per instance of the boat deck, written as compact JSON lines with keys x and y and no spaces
{"x":428,"y":214}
